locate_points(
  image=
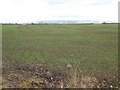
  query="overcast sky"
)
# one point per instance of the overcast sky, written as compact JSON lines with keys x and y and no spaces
{"x":35,"y":10}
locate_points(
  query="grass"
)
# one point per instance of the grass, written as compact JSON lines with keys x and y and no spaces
{"x":92,"y":49}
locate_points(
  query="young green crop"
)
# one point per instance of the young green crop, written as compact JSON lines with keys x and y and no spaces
{"x":89,"y":48}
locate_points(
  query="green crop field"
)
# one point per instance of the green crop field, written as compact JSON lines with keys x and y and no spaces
{"x":85,"y":50}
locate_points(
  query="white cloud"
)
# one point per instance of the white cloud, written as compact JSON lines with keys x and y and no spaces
{"x":35,"y":10}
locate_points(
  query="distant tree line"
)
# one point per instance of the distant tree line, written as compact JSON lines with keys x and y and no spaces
{"x":51,"y":23}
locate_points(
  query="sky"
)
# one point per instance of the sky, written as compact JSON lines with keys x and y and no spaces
{"x":25,"y":11}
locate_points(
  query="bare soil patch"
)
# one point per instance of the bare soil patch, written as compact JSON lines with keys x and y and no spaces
{"x":22,"y":75}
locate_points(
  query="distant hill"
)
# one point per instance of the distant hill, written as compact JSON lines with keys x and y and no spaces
{"x":65,"y":22}
{"x":70,"y":22}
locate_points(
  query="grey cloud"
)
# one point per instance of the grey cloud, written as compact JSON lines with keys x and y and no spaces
{"x":103,"y":2}
{"x":79,"y":2}
{"x":56,"y":2}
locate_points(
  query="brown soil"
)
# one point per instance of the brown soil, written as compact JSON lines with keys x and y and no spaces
{"x":22,"y":75}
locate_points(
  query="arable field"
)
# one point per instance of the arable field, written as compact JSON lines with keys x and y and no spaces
{"x":60,"y":56}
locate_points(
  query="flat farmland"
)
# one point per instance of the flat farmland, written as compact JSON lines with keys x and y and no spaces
{"x":60,"y":56}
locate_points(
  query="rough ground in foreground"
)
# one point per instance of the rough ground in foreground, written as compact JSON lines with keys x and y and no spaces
{"x":22,"y":75}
